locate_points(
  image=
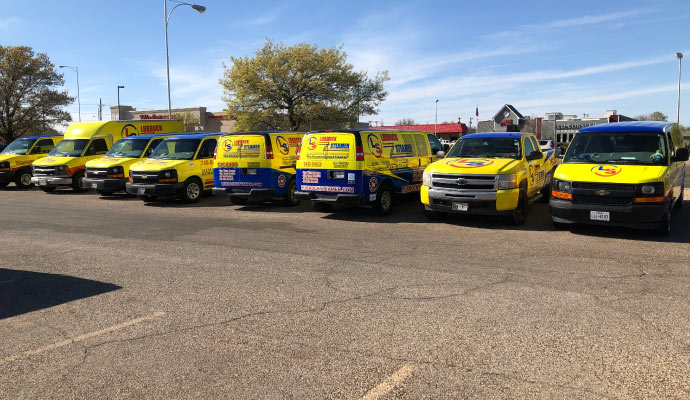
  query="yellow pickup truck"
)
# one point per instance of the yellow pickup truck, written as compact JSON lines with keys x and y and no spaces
{"x":494,"y":173}
{"x":17,"y":158}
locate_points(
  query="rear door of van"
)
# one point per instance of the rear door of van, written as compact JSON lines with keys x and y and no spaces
{"x":241,"y":161}
{"x":328,"y":163}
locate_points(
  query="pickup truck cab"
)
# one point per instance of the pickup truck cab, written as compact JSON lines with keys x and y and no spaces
{"x":180,"y":166}
{"x":628,"y":174}
{"x":16,"y":159}
{"x":494,"y":173}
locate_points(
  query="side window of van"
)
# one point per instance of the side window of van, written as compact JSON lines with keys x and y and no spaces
{"x":409,"y":140}
{"x":152,"y":147}
{"x":435,"y":144}
{"x":535,"y":145}
{"x":97,"y":147}
{"x":422,"y":150}
{"x":207,"y":148}
{"x":43,"y":146}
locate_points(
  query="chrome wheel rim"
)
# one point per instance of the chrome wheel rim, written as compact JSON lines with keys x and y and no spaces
{"x":193,"y":191}
{"x":25,"y":179}
{"x":385,"y":200}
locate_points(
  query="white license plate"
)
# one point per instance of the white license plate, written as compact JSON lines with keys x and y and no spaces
{"x":599,"y":215}
{"x":141,"y":191}
{"x":460,"y":206}
{"x":41,"y":182}
{"x":94,"y":186}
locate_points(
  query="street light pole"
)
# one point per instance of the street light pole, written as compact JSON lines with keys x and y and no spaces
{"x":118,"y":101}
{"x":436,"y":120}
{"x":166,"y":17}
{"x":75,"y":69}
{"x":679,"y":56}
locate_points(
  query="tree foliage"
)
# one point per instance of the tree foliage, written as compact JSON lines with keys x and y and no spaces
{"x":655,"y":116}
{"x":189,"y":121}
{"x":406,"y":121}
{"x":292,"y":87}
{"x":29,"y":100}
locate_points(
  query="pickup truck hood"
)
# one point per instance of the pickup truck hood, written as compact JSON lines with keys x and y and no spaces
{"x":479,"y":166}
{"x":614,"y":173}
{"x":157,"y":165}
{"x":48,"y":161}
{"x":107,"y":162}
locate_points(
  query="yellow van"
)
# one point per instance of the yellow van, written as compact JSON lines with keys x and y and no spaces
{"x":626,"y":174}
{"x":16,"y":159}
{"x":181,"y":166}
{"x":109,"y":174}
{"x":367,"y":167}
{"x":257,"y":166}
{"x":85,"y":141}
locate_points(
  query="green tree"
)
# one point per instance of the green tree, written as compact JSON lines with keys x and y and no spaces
{"x":291,"y":87}
{"x":29,"y":100}
{"x":655,"y":116}
{"x":189,"y":121}
{"x":406,"y":121}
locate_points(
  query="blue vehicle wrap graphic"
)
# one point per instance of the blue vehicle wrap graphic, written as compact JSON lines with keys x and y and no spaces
{"x":236,"y":178}
{"x":359,"y":182}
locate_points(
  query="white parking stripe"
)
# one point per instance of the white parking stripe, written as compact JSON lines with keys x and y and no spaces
{"x":386,"y":386}
{"x":83,"y":337}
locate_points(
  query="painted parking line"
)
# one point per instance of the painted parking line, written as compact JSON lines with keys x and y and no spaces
{"x":85,"y":336}
{"x":394,"y":380}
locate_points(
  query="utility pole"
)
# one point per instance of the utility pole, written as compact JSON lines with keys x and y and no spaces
{"x":436,"y":120}
{"x":679,"y":56}
{"x":100,"y":109}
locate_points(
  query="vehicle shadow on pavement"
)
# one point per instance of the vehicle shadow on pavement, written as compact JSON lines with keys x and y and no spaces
{"x":119,"y":197}
{"x":13,"y":188}
{"x":275,"y":207}
{"x":25,"y":291}
{"x":204,"y":201}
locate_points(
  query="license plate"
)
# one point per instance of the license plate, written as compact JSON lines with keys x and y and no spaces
{"x":460,"y":206}
{"x":94,"y":186}
{"x":141,"y":191}
{"x":41,"y":182}
{"x":599,"y":215}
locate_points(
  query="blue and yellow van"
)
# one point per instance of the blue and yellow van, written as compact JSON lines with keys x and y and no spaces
{"x":626,"y":174}
{"x":368,"y":167}
{"x":256,"y":166}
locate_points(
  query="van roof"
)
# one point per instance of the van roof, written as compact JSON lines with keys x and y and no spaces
{"x":511,"y":135}
{"x":38,"y":136}
{"x":629,"y":126}
{"x":366,"y":130}
{"x":152,"y":136}
{"x":257,"y":132}
{"x":194,"y":135}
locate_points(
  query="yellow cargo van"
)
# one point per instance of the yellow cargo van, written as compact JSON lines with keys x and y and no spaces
{"x":367,"y":167}
{"x":180,"y":166}
{"x":16,"y":159}
{"x":109,"y":174}
{"x":86,"y":141}
{"x":257,"y":166}
{"x":626,"y":174}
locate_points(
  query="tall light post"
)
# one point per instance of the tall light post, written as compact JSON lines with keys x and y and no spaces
{"x":436,"y":120}
{"x":679,"y":56}
{"x":118,"y":101}
{"x":75,"y":69}
{"x":166,"y":17}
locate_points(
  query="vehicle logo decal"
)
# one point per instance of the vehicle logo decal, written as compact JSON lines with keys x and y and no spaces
{"x":373,"y":184}
{"x":375,"y":145}
{"x":227,"y":144}
{"x":129,"y":130}
{"x":312,"y":142}
{"x":462,"y":181}
{"x":602,"y":192}
{"x":469,"y":163}
{"x":283,"y":146}
{"x":606,"y":170}
{"x":281,"y":181}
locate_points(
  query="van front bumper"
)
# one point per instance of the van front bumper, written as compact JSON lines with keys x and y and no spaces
{"x":502,"y":202}
{"x":51,"y":181}
{"x":252,"y":195}
{"x":339,"y":198}
{"x":646,"y":216}
{"x":153,"y":189}
{"x":104,"y":184}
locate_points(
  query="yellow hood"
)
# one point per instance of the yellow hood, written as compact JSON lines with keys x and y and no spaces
{"x":618,"y":173}
{"x":107,"y":162}
{"x":49,"y":160}
{"x":479,"y":166}
{"x":157,"y":165}
{"x":10,"y":157}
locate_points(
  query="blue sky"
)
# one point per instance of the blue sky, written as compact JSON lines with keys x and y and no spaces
{"x":575,"y":57}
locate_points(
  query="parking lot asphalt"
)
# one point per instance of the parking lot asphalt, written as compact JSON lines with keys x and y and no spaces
{"x":114,"y":298}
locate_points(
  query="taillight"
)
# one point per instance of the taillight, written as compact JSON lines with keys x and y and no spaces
{"x":360,"y":153}
{"x":299,"y":150}
{"x":269,"y":152}
{"x":215,"y":152}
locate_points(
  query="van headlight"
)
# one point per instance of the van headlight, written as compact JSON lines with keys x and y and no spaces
{"x":426,"y":178}
{"x":563,"y":186}
{"x":648,"y":189}
{"x":169,"y":176}
{"x":507,"y":181}
{"x":61,"y":170}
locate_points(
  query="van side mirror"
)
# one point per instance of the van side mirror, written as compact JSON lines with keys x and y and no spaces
{"x":534,"y":155}
{"x":681,"y":154}
{"x":440,"y":154}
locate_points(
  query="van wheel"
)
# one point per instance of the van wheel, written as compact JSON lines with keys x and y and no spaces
{"x":105,"y":192}
{"x":23,"y":179}
{"x":290,"y":200}
{"x":77,"y":184}
{"x":384,"y":200}
{"x":192,"y":190}
{"x":146,"y":198}
{"x":48,"y":189}
{"x":321,"y":206}
{"x":520,"y":212}
{"x":238,"y":201}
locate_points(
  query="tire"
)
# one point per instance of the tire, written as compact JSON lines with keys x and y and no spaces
{"x":23,"y":179}
{"x":384,"y":200}
{"x":105,"y":192}
{"x":238,"y":201}
{"x":679,"y":200}
{"x":77,"y":184}
{"x":432,"y":215}
{"x":519,"y":215}
{"x":289,"y":199}
{"x":48,"y":189}
{"x":321,"y":206}
{"x":192,"y":190}
{"x":146,"y":198}
{"x":664,"y":228}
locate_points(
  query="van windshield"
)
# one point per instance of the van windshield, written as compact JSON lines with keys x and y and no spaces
{"x":176,"y":149}
{"x":128,"y":148}
{"x":19,"y":146}
{"x":617,"y":147}
{"x":486,"y":147}
{"x":328,"y":146}
{"x":69,"y":148}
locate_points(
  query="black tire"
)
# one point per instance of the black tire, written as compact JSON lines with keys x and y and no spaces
{"x":105,"y":192}
{"x":146,"y":198}
{"x":290,"y":200}
{"x":48,"y":189}
{"x":77,"y":184}
{"x":23,"y":179}
{"x":664,"y":228}
{"x":321,"y":206}
{"x":679,"y":200}
{"x":384,"y":200}
{"x":238,"y":201}
{"x":519,"y":215}
{"x":192,"y":190}
{"x":432,"y":215}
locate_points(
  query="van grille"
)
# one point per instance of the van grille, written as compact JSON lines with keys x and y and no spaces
{"x":141,"y":177}
{"x":464,"y":182}
{"x":602,"y":200}
{"x":97,"y":172}
{"x":44,"y":171}
{"x":622,"y":187}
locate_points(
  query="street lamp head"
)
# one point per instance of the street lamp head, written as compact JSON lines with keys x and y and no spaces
{"x":679,"y":55}
{"x":62,"y":66}
{"x":120,"y":87}
{"x":199,"y":8}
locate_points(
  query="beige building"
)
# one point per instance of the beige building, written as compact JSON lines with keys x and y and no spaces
{"x":208,"y":121}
